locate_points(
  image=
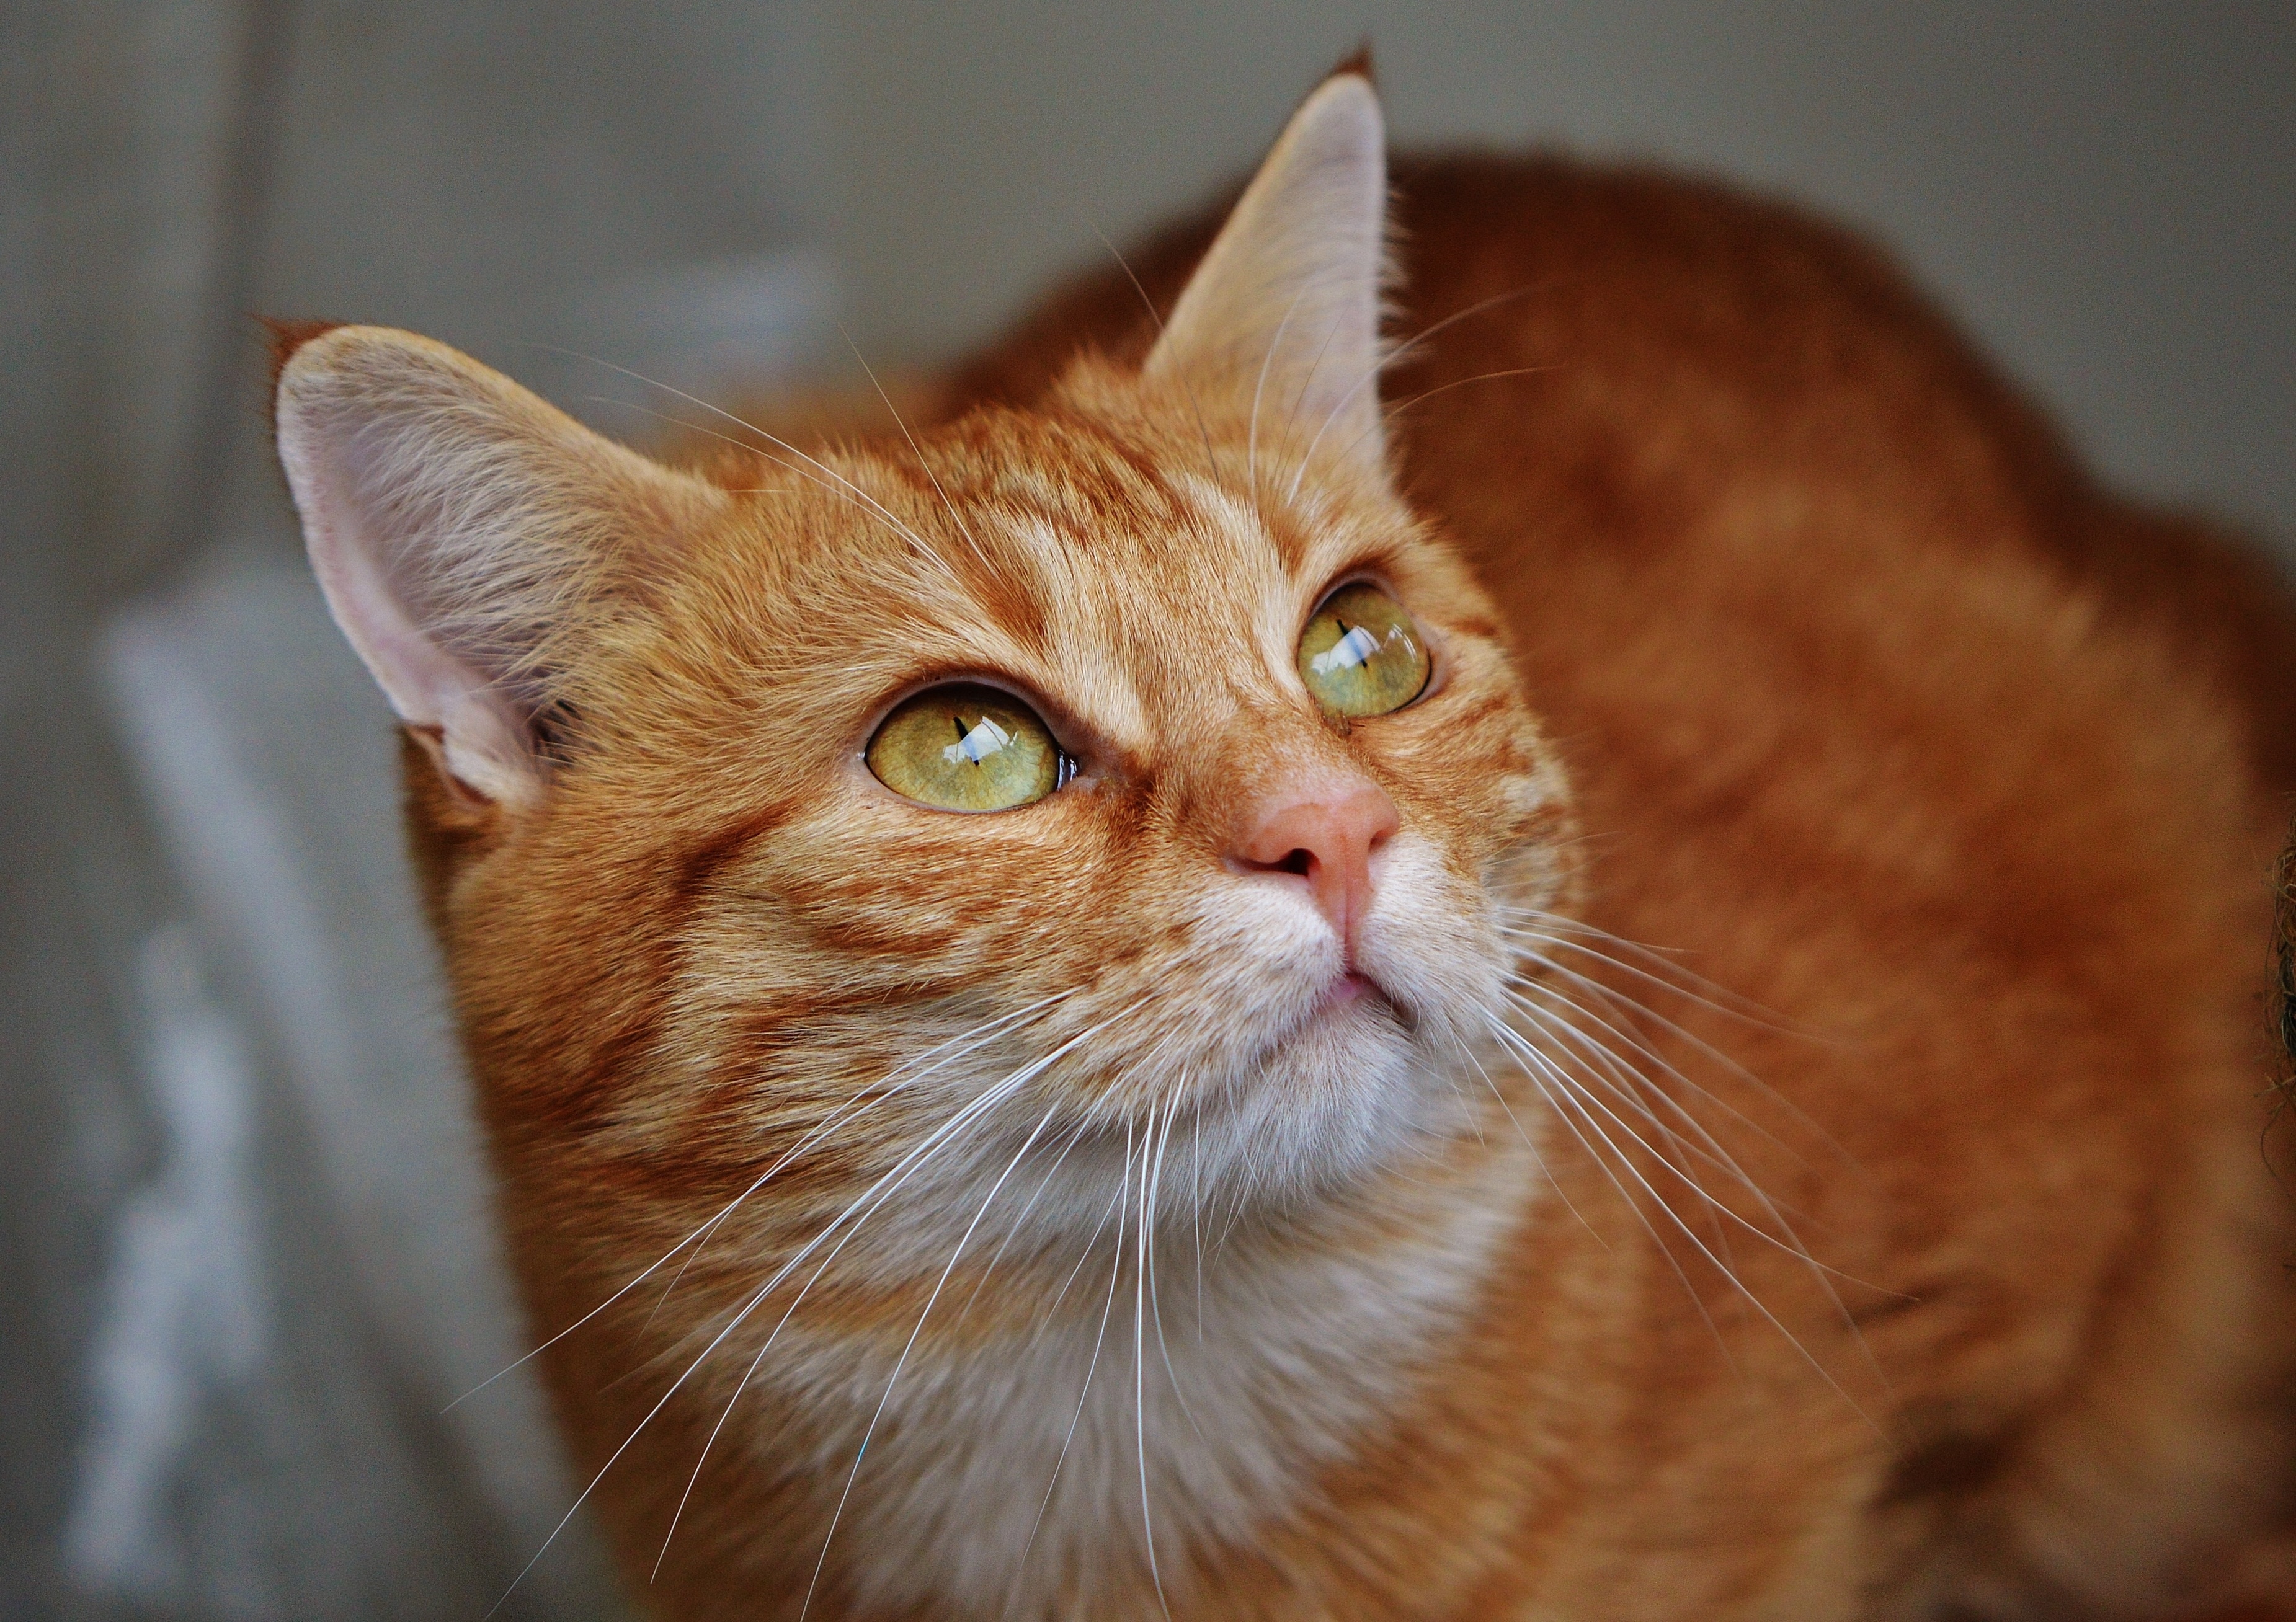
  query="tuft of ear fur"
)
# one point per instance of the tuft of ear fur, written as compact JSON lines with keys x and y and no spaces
{"x":1286,"y":304}
{"x":464,"y":532}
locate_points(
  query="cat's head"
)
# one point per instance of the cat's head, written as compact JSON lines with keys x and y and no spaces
{"x":1038,"y":780}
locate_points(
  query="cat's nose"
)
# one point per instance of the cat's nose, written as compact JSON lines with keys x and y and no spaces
{"x":1326,"y":833}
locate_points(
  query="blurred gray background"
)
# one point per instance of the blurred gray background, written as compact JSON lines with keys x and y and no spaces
{"x":244,"y":1262}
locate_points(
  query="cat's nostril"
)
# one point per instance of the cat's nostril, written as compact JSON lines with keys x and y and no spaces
{"x":1293,"y":861}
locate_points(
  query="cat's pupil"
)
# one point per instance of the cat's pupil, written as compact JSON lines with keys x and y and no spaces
{"x":976,"y":743}
{"x":1355,"y":647}
{"x":1360,"y":654}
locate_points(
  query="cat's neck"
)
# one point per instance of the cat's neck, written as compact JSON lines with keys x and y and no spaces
{"x":1186,"y":1388}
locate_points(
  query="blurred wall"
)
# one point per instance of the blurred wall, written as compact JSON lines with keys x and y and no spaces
{"x":2104,"y":190}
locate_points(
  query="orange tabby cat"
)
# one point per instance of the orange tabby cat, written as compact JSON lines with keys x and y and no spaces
{"x":1071,"y":1008}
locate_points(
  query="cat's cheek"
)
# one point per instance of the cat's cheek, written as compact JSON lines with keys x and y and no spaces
{"x":1431,"y":939}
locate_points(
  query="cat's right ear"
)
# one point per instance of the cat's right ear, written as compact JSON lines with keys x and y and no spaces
{"x":1285,"y":304}
{"x":464,"y":533}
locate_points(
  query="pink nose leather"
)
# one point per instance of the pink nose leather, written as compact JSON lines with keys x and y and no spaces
{"x":1327,"y":837}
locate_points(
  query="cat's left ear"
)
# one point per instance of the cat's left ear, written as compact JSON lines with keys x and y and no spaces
{"x":469,"y":539}
{"x":1285,"y":306}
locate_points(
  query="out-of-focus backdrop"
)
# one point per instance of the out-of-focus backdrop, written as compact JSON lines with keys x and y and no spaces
{"x":245,"y":1266}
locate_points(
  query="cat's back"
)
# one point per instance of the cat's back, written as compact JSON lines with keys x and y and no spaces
{"x":1880,"y":711}
{"x":1594,"y":361}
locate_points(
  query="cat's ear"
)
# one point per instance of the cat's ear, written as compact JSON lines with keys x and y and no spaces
{"x":1286,"y":304}
{"x":464,"y":532}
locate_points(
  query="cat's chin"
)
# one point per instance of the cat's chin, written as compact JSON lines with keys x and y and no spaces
{"x":1352,"y":1006}
{"x":1338,"y":1091}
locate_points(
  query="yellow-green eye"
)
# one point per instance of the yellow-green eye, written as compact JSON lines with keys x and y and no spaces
{"x":966,"y":748}
{"x":1361,"y":655}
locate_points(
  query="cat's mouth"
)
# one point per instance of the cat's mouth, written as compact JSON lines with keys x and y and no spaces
{"x":1354,"y":995}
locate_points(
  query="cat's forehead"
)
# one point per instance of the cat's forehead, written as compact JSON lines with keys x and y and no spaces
{"x":1130,"y":576}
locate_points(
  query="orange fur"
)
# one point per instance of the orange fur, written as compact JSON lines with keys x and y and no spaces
{"x":1772,"y":631}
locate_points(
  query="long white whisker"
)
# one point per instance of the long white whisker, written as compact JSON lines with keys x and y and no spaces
{"x":1584,"y":1099}
{"x":901,"y":1362}
{"x":867,"y":1099}
{"x":1791,"y":1243}
{"x":1530,"y":1143}
{"x":1621,"y":1078}
{"x":1557,"y":929}
{"x":1388,"y":414}
{"x":1569,"y":1112}
{"x":861,"y":1208}
{"x":1196,"y":1200}
{"x":1012,"y":1229}
{"x":1291,"y":418}
{"x":1251,"y":441}
{"x":870,"y":500}
{"x":957,"y":518}
{"x":991,"y":1027}
{"x":1114,"y":1207}
{"x":859,"y":1211}
{"x":1155,"y":1302}
{"x":895,"y":1176}
{"x":1148,"y":304}
{"x":1614,"y":999}
{"x":1140,"y":1352}
{"x":738,"y":1319}
{"x":1116,"y":1268}
{"x":1390,"y":358}
{"x":1724,"y":1212}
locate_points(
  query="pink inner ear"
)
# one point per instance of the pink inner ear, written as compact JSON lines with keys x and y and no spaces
{"x":452,"y":518}
{"x":484,"y":742}
{"x":1286,"y":303}
{"x":340,"y":459}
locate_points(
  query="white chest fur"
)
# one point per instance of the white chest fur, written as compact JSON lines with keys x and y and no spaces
{"x":1158,"y":1407}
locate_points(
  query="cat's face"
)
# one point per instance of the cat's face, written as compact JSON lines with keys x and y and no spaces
{"x":1231,"y":902}
{"x":935,"y":804}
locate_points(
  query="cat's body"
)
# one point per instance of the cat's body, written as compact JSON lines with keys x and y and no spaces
{"x":1916,"y":1251}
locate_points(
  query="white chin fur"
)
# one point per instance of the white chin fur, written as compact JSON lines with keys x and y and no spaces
{"x":1278,"y":1101}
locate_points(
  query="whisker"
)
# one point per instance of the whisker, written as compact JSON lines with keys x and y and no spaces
{"x":1557,"y":930}
{"x":1139,"y":1353}
{"x":1624,"y":1083}
{"x":1299,"y":399}
{"x":870,"y":500}
{"x":1148,"y":304}
{"x":1196,"y":1199}
{"x":1251,"y":441}
{"x":991,"y":1027}
{"x":1116,"y":1268}
{"x":867,"y":1099}
{"x":1583,"y":1099}
{"x":1155,"y":1304}
{"x":1012,"y":1229}
{"x":1623,"y":1074}
{"x":1387,"y":359}
{"x":901,"y":1362}
{"x":1692,"y":1183}
{"x":1530,"y":1143}
{"x":946,"y":1133}
{"x":957,"y":518}
{"x":1631,"y":1008}
{"x":1792,"y":1244}
{"x":1388,"y":414}
{"x":738,"y":1318}
{"x":1570,"y":1117}
{"x":897,"y":1176}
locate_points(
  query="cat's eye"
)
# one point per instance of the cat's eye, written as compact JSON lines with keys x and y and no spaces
{"x":1361,"y":655}
{"x":966,"y":748}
